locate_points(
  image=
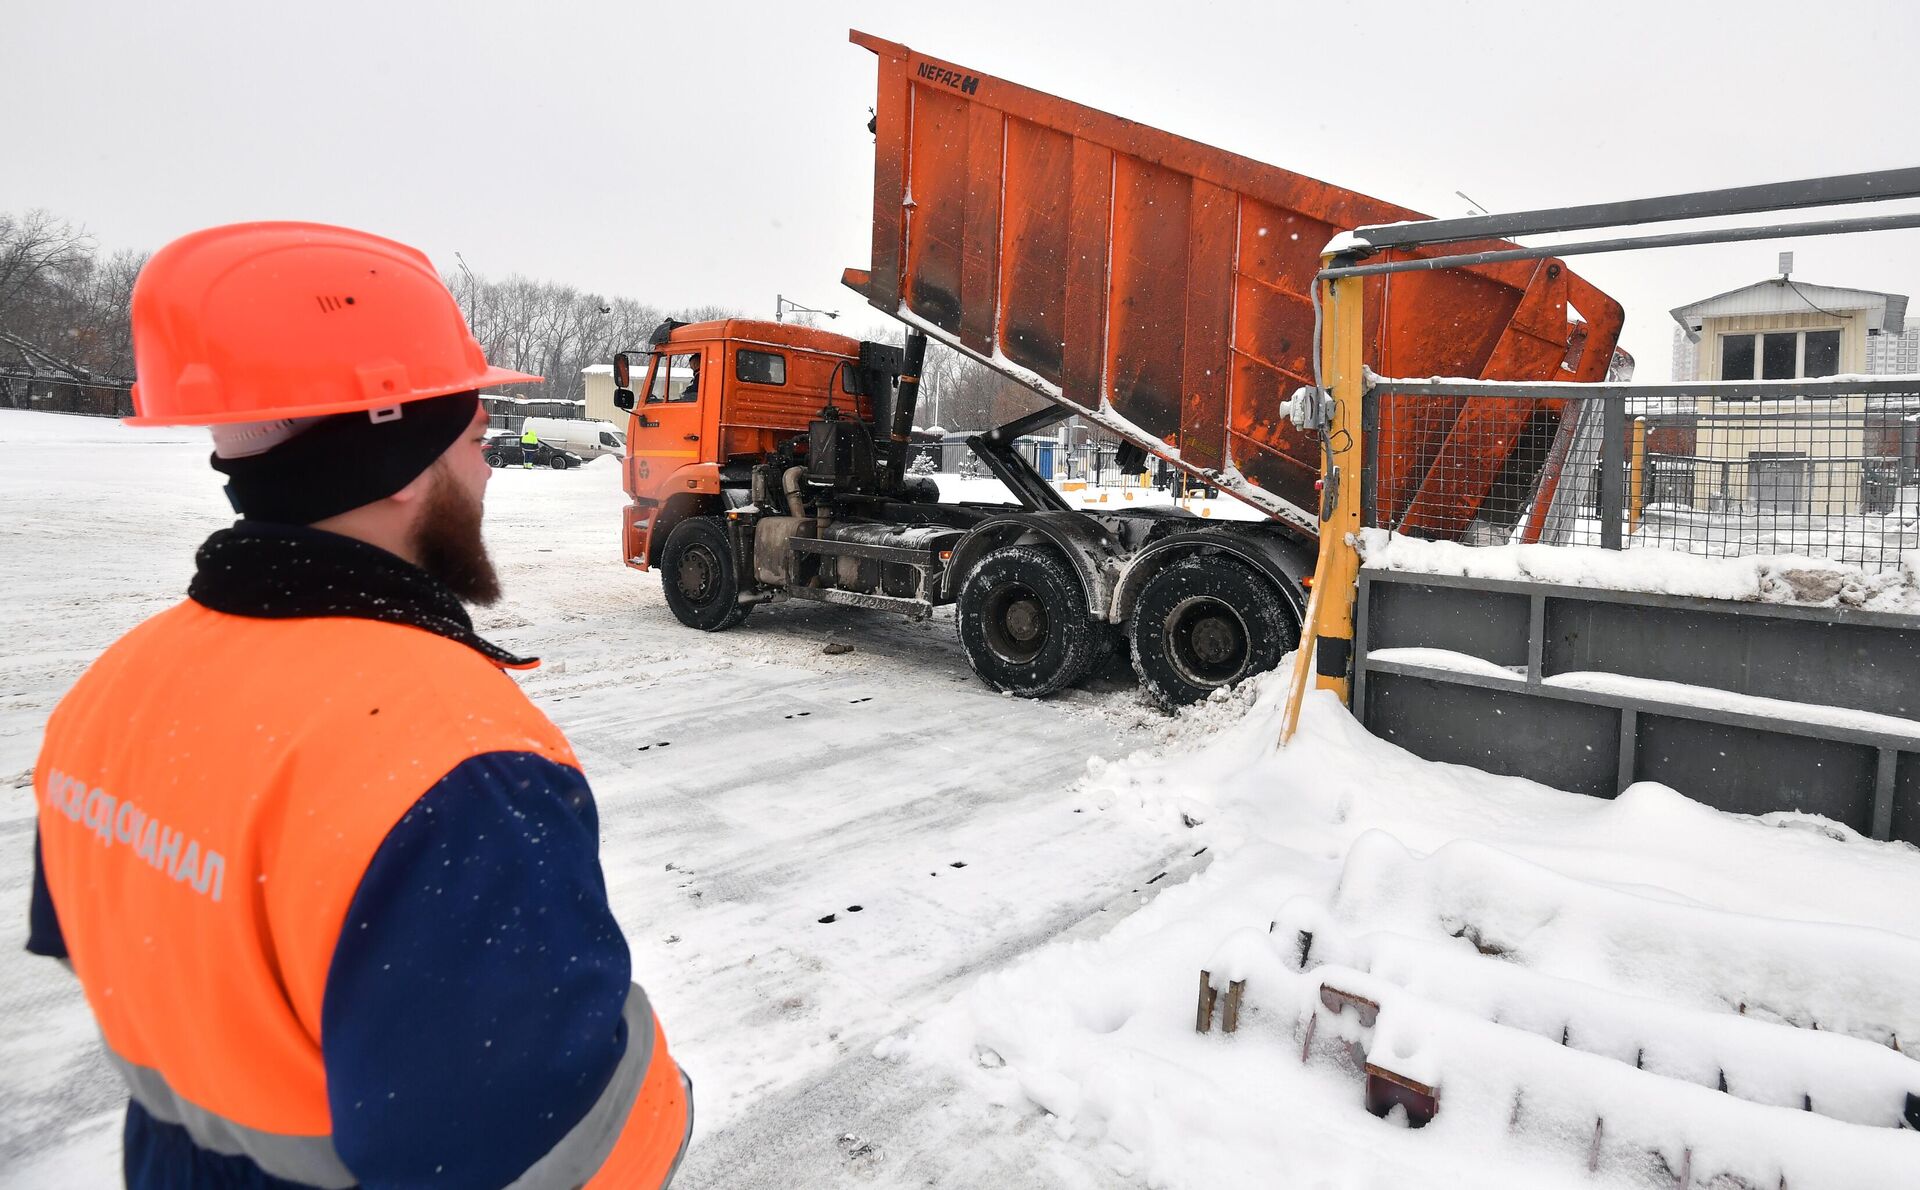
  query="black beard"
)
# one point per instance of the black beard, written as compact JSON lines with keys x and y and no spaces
{"x":446,"y":544}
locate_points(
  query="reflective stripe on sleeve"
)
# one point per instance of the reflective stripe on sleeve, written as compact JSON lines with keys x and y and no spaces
{"x":308,"y":1159}
{"x":575,"y":1156}
{"x":686,"y":1138}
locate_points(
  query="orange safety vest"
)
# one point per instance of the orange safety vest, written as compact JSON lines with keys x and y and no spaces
{"x":210,"y":794}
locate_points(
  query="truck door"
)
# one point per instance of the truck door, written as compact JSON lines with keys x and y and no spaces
{"x":666,"y":425}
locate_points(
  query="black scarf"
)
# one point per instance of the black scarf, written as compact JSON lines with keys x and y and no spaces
{"x":292,"y":572}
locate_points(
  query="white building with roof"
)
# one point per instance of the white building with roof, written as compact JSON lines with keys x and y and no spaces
{"x":1784,"y":329}
{"x":1843,"y":456}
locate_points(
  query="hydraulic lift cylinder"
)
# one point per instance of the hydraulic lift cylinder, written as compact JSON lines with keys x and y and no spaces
{"x":906,"y":399}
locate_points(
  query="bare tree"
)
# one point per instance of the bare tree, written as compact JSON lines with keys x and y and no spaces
{"x":709,"y":313}
{"x":549,"y":330}
{"x":34,"y":247}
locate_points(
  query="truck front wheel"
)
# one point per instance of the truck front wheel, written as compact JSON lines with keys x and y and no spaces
{"x":1024,"y":624}
{"x":698,"y":576}
{"x":1206,"y":622}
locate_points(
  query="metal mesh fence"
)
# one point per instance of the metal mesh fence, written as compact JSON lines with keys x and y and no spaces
{"x":1834,"y":477}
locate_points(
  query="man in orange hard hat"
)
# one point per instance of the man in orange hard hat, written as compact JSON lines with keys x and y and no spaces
{"x":329,"y":880}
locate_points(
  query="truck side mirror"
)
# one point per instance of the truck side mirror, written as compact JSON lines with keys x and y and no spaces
{"x":623,"y":398}
{"x":622,"y":373}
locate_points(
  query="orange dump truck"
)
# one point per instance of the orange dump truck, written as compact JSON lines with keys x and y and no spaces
{"x":1157,"y":287}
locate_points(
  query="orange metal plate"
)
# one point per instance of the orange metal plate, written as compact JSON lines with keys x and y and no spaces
{"x":1170,"y":282}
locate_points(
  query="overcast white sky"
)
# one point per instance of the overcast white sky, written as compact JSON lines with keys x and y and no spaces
{"x":716,"y":152}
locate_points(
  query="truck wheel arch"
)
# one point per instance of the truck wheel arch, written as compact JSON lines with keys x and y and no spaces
{"x":1087,"y":548}
{"x":678,"y":507}
{"x":1280,"y":559}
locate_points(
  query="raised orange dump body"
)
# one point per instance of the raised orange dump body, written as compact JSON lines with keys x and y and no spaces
{"x":1163,"y":288}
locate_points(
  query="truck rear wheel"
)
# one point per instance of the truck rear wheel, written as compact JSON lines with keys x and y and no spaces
{"x":698,"y":575}
{"x":1206,"y":622}
{"x":1024,"y":624}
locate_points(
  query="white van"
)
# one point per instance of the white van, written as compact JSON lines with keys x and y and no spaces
{"x":588,"y":439}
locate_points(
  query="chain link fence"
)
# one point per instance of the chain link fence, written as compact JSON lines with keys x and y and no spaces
{"x":1834,"y":475}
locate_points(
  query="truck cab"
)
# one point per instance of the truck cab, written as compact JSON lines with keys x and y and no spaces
{"x":710,"y":398}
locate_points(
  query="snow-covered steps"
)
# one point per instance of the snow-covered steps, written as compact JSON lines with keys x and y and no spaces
{"x":1848,"y":979}
{"x":1622,"y":1028}
{"x":1764,"y":1062}
{"x":1620,"y":1117}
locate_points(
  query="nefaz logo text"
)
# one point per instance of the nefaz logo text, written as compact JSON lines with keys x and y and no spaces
{"x":966,"y":84}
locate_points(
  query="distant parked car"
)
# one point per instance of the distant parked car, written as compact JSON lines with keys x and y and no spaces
{"x":503,"y":450}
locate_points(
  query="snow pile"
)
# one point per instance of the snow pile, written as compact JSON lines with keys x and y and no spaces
{"x":1642,"y":988}
{"x":1775,"y":578}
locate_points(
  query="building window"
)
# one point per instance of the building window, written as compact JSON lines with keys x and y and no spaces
{"x":1736,"y":357}
{"x":1777,"y":356}
{"x":1822,"y":354}
{"x":760,"y":367}
{"x":1780,"y":355}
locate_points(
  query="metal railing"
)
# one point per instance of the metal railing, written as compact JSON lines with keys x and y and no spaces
{"x":1800,"y":494}
{"x":1824,"y":469}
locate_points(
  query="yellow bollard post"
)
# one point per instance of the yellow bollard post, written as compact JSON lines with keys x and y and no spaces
{"x":1326,"y":639}
{"x":1636,"y":476}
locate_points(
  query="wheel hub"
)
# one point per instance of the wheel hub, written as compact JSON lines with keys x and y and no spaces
{"x":1213,"y":640}
{"x":1026,"y":621}
{"x":1016,"y":624}
{"x":695,"y":578}
{"x":1207,"y":641}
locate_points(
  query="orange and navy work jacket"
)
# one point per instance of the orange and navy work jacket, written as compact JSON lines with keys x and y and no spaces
{"x":331,"y":885}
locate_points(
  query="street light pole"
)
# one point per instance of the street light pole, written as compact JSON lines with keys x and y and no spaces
{"x":783,"y":305}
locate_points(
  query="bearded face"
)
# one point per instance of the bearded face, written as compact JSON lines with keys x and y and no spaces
{"x":446,"y":540}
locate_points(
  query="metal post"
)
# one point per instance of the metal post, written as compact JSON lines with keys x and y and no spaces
{"x":1883,"y":773}
{"x":1636,"y":483}
{"x":1613,"y":437}
{"x":1326,"y":639}
{"x":1369,"y":460}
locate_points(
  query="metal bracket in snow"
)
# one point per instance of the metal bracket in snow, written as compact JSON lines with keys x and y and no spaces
{"x":1230,"y":1011}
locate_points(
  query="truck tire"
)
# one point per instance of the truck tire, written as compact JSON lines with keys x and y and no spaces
{"x":1206,"y":622}
{"x":698,"y":575}
{"x":1024,"y":624}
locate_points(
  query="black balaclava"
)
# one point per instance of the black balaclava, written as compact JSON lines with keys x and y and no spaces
{"x":345,"y":461}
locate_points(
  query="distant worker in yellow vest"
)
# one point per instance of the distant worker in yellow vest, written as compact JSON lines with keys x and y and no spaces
{"x":529,"y":446}
{"x":330,"y":882}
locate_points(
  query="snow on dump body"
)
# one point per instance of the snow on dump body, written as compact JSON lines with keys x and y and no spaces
{"x":1636,"y":992}
{"x":1163,"y":287}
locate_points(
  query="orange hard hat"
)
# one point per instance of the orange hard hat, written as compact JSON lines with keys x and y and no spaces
{"x":260,"y":321}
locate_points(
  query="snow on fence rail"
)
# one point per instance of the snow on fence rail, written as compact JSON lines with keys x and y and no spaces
{"x":1778,"y":578}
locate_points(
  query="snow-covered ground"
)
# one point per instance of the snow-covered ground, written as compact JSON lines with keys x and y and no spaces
{"x":1013,"y":1001}
{"x":1548,"y":961}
